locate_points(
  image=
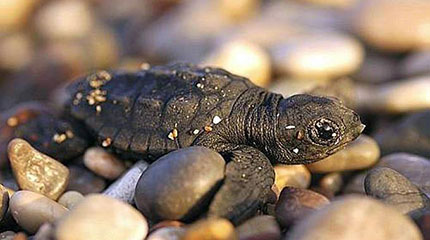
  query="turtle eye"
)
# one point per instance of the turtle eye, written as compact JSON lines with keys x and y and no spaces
{"x":324,"y":132}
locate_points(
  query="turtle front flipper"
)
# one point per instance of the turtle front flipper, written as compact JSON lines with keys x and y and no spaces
{"x":249,"y":177}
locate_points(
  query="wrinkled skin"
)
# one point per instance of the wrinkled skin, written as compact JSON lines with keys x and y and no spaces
{"x":150,"y":113}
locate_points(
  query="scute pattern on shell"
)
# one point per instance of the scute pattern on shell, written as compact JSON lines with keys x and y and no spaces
{"x":167,"y":108}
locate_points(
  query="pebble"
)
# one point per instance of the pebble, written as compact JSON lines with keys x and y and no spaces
{"x":99,"y":217}
{"x":296,"y":203}
{"x":36,"y":171}
{"x":414,"y":168}
{"x":30,"y":210}
{"x":395,"y":26}
{"x":84,"y":181}
{"x":124,"y":188}
{"x":64,"y":19}
{"x":333,"y":3}
{"x":402,"y":96}
{"x":103,"y":163}
{"x":355,"y":218}
{"x":70,"y":198}
{"x":167,"y":233}
{"x":262,"y":227}
{"x":15,"y":14}
{"x":415,"y":64}
{"x":377,"y":68}
{"x":16,"y":51}
{"x":360,"y":154}
{"x":331,"y":182}
{"x":422,"y":220}
{"x":323,"y":56}
{"x":239,"y":10}
{"x":409,"y":134}
{"x":292,"y":175}
{"x":187,"y":177}
{"x":211,"y":229}
{"x":166,"y":223}
{"x":394,"y":189}
{"x":355,"y":184}
{"x":45,"y":232}
{"x":243,"y":58}
{"x":7,"y":235}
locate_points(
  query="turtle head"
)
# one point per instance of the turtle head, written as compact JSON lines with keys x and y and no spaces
{"x":310,"y":128}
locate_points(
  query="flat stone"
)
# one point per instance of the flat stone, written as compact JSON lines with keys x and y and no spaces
{"x":395,"y":26}
{"x":85,"y":181}
{"x":243,"y":58}
{"x":360,"y":154}
{"x":355,"y":218}
{"x":296,"y":203}
{"x":124,"y":188}
{"x":415,"y":168}
{"x":262,"y":227}
{"x":36,"y":171}
{"x":176,"y":184}
{"x":70,"y":198}
{"x":30,"y":210}
{"x":99,"y":217}
{"x":167,"y":233}
{"x":103,"y":163}
{"x":394,"y":189}
{"x":292,"y":175}
{"x":211,"y":229}
{"x":300,"y":56}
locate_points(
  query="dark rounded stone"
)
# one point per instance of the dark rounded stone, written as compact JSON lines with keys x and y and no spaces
{"x":262,"y":227}
{"x":413,"y":167}
{"x":296,"y":203}
{"x":179,"y":184}
{"x":422,"y":220}
{"x":394,"y":189}
{"x":84,"y":181}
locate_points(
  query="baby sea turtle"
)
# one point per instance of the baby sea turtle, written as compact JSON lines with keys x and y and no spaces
{"x":155,"y":111}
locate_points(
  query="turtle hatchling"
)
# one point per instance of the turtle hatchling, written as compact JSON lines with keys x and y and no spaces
{"x":149,"y":113}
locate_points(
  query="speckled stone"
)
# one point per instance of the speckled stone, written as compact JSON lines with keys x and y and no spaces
{"x":414,"y":168}
{"x":211,"y":229}
{"x":36,"y":171}
{"x":394,"y":189}
{"x":103,"y":163}
{"x":70,"y":198}
{"x":99,"y":217}
{"x":189,"y":175}
{"x":167,"y":233}
{"x":355,"y":218}
{"x":123,"y":188}
{"x":296,"y":203}
{"x":410,"y":134}
{"x":262,"y":227}
{"x":85,"y":181}
{"x":360,"y":154}
{"x":292,"y":175}
{"x":30,"y":210}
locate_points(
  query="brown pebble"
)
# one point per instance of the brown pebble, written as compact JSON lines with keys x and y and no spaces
{"x":20,"y":236}
{"x":36,"y":171}
{"x":332,"y":182}
{"x":70,"y":198}
{"x":98,"y":217}
{"x":30,"y":210}
{"x":360,"y":154}
{"x":355,"y":218}
{"x":296,"y":203}
{"x":292,"y":175}
{"x":103,"y":163}
{"x":211,"y":229}
{"x":262,"y":227}
{"x":166,"y":223}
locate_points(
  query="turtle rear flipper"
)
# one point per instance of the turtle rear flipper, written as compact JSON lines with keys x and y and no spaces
{"x":248,"y":182}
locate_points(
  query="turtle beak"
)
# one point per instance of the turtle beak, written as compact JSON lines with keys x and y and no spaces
{"x":362,"y":127}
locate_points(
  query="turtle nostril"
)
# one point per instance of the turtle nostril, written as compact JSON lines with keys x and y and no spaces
{"x":356,"y":117}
